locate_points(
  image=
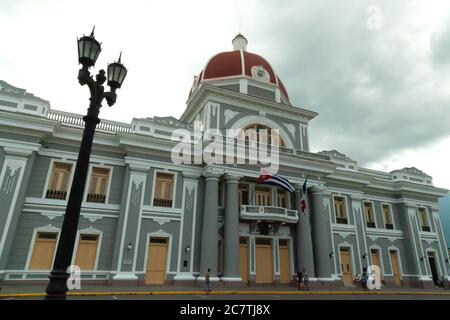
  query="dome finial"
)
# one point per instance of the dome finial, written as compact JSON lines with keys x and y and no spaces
{"x":239,"y":42}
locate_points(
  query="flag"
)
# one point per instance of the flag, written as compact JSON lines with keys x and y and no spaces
{"x":303,"y":198}
{"x":274,"y":179}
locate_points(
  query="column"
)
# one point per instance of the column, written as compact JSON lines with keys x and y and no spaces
{"x":128,"y":229}
{"x":208,"y":258}
{"x":14,"y":177}
{"x":187,"y":226}
{"x":320,"y":233}
{"x":443,"y":252}
{"x":305,"y":253}
{"x":231,"y":229}
{"x":362,"y":252}
{"x":413,"y":241}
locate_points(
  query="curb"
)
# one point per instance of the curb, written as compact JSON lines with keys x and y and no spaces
{"x":148,"y":293}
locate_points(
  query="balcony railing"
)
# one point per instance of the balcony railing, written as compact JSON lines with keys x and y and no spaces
{"x":56,"y":194}
{"x":97,"y":198}
{"x":341,"y":220}
{"x":268,"y":213}
{"x":157,"y":202}
{"x":370,"y":224}
{"x":76,"y":120}
{"x":389,"y":226}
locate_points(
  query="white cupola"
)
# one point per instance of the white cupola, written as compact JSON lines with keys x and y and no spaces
{"x":239,"y":43}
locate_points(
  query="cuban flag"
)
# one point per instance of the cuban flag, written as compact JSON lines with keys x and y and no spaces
{"x":303,"y":198}
{"x":266,"y":177}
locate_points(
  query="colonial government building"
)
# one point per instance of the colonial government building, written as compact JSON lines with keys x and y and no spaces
{"x":147,"y":220}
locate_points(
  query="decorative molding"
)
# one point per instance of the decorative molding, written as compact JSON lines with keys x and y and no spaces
{"x":260,"y":74}
{"x":48,"y":228}
{"x":228,"y":115}
{"x":344,"y":235}
{"x":90,"y":229}
{"x":137,"y":182}
{"x":214,"y":107}
{"x":91,"y":217}
{"x":343,"y":227}
{"x":52,"y":214}
{"x":10,"y":179}
{"x":189,"y":196}
{"x":291,"y":128}
{"x":161,"y":221}
{"x":160,"y":232}
{"x":411,"y":174}
{"x":18,"y":151}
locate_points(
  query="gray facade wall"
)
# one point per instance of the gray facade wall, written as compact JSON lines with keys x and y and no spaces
{"x":259,"y":92}
{"x":13,"y":198}
{"x":30,"y":220}
{"x":149,"y":226}
{"x":232,"y":87}
{"x":38,"y":177}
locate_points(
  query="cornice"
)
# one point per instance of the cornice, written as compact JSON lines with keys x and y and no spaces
{"x":215,"y":92}
{"x":26,"y":122}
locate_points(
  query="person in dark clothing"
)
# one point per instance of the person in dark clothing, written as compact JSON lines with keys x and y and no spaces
{"x":306,"y":280}
{"x":299,"y":279}
{"x":364,"y":277}
{"x":207,"y":282}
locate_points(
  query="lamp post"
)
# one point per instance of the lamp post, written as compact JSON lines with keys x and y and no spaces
{"x":88,"y":52}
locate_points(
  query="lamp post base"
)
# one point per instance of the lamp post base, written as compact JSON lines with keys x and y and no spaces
{"x":57,"y":287}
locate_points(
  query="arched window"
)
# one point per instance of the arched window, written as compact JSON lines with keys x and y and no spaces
{"x":262,"y":134}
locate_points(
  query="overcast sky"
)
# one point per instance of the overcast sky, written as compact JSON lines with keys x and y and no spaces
{"x":381,"y":86}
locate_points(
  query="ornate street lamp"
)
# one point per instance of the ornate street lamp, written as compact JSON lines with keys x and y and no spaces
{"x":88,"y":52}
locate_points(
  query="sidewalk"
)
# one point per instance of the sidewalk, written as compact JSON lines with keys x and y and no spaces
{"x":8,"y":290}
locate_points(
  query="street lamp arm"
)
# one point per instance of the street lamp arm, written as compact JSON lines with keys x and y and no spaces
{"x":96,"y":87}
{"x":110,"y":96}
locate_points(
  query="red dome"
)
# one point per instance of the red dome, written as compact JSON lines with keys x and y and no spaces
{"x":239,"y":63}
{"x":229,"y":64}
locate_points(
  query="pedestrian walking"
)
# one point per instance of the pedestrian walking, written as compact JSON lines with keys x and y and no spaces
{"x":364,"y":278}
{"x":299,"y":279}
{"x":357,"y":281}
{"x":306,"y":280}
{"x":207,"y":281}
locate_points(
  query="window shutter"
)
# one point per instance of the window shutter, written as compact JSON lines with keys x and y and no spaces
{"x":159,"y":189}
{"x":65,"y":181}
{"x":93,"y":186}
{"x":103,"y":185}
{"x":54,"y":182}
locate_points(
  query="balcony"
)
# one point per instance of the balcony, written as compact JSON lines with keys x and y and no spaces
{"x":341,"y":220}
{"x":371,"y":224}
{"x":157,"y":202}
{"x":76,"y":120}
{"x":56,"y":194}
{"x":268,"y":213}
{"x":96,"y":198}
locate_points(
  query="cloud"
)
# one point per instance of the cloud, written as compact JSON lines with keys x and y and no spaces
{"x":440,"y":46}
{"x":378,"y":92}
